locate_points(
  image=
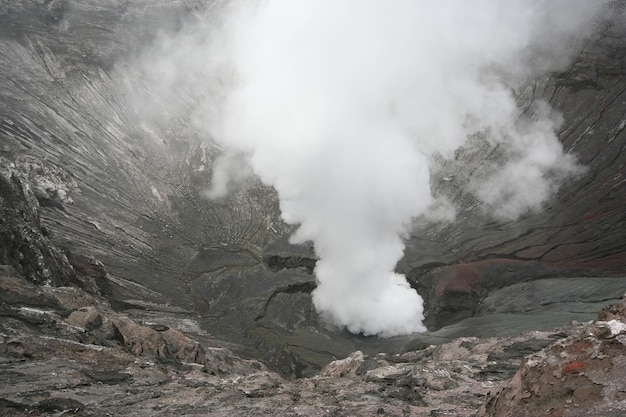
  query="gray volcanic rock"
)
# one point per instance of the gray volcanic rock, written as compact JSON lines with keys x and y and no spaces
{"x":53,"y":366}
{"x":23,"y":242}
{"x":581,"y":375}
{"x":120,"y":191}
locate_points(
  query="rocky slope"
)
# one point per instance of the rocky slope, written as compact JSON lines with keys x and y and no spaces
{"x":65,"y":351}
{"x":118,"y":184}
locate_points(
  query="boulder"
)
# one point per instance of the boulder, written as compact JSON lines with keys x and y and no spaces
{"x":89,"y":318}
{"x":167,"y":345}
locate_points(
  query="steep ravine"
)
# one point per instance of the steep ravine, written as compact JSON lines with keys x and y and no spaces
{"x":124,"y":185}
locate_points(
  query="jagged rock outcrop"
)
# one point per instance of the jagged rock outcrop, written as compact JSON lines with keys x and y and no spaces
{"x":24,"y":244}
{"x":83,"y":318}
{"x":581,"y":375}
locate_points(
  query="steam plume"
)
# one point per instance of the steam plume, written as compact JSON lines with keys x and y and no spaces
{"x":340,"y":106}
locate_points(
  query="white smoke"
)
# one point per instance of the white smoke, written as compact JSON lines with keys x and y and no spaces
{"x":228,"y":169}
{"x":531,"y":173}
{"x":340,"y":105}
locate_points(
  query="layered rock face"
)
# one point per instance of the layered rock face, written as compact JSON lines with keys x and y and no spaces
{"x":120,"y":185}
{"x":577,"y":235}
